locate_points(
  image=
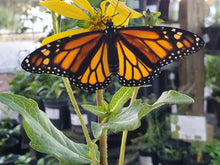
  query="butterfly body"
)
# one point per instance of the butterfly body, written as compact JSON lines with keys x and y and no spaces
{"x":133,"y":54}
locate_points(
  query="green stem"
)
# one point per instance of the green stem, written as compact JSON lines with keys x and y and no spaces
{"x":123,"y":145}
{"x":84,"y":128}
{"x":55,"y":23}
{"x":125,"y":133}
{"x":103,"y":137}
{"x":103,"y":148}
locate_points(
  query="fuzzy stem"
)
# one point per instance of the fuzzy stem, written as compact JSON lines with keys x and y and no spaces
{"x":103,"y":137}
{"x":125,"y":133}
{"x":103,"y":148}
{"x":84,"y":128}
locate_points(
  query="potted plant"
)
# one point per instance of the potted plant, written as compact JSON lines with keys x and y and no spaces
{"x":213,"y":149}
{"x":198,"y":154}
{"x":54,"y":96}
{"x":152,"y":141}
{"x":8,"y":123}
{"x":14,"y":159}
{"x":10,"y":136}
{"x":173,"y":152}
{"x":8,"y":144}
{"x":8,"y":159}
{"x":27,"y":85}
{"x":171,"y":156}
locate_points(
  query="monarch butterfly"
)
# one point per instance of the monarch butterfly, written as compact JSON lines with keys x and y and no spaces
{"x":133,"y":54}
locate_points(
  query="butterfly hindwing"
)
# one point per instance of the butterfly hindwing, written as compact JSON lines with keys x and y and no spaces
{"x":97,"y":74}
{"x":143,"y":50}
{"x":132,"y":70}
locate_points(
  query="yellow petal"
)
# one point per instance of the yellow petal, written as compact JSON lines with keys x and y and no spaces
{"x":65,"y":9}
{"x":103,"y":7}
{"x":124,"y":10}
{"x":119,"y":19}
{"x":63,"y":35}
{"x":110,"y":10}
{"x":84,"y":4}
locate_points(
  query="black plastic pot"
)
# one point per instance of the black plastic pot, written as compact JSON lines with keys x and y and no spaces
{"x":146,"y":157}
{"x":213,"y":34}
{"x":87,"y":117}
{"x":11,"y":145}
{"x":40,"y":104}
{"x":192,"y":160}
{"x":164,"y":161}
{"x":176,"y":143}
{"x":58,"y":113}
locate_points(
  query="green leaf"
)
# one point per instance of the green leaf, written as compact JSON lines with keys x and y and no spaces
{"x":120,"y":98}
{"x":157,"y":14}
{"x":44,"y":136}
{"x":105,"y":105}
{"x":129,"y":118}
{"x":97,"y":110}
{"x":168,"y":97}
{"x":174,"y":97}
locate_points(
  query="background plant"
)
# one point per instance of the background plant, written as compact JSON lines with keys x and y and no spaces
{"x":213,"y":74}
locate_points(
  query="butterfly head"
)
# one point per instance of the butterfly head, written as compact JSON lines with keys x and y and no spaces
{"x":109,"y":24}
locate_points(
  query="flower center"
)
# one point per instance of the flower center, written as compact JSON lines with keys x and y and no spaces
{"x":98,"y":22}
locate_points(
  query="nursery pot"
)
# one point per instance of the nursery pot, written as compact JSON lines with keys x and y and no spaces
{"x":11,"y":145}
{"x":58,"y":113}
{"x":75,"y":122}
{"x":177,"y":143}
{"x":164,"y":161}
{"x":192,"y":159}
{"x":217,"y":111}
{"x":147,"y":158}
{"x":212,"y":34}
{"x":40,"y":104}
{"x":211,"y":108}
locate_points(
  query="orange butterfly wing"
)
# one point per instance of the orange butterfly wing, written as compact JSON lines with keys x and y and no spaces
{"x":142,"y":51}
{"x":82,"y":58}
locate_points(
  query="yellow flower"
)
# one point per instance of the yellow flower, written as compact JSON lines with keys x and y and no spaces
{"x":117,"y":11}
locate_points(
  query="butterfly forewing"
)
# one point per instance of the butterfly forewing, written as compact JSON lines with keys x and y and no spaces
{"x":82,"y":58}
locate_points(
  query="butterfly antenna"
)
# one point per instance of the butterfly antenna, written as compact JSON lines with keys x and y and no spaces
{"x":124,"y":20}
{"x":115,"y":8}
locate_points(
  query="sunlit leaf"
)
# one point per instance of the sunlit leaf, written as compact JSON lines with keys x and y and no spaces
{"x":44,"y":136}
{"x":129,"y":118}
